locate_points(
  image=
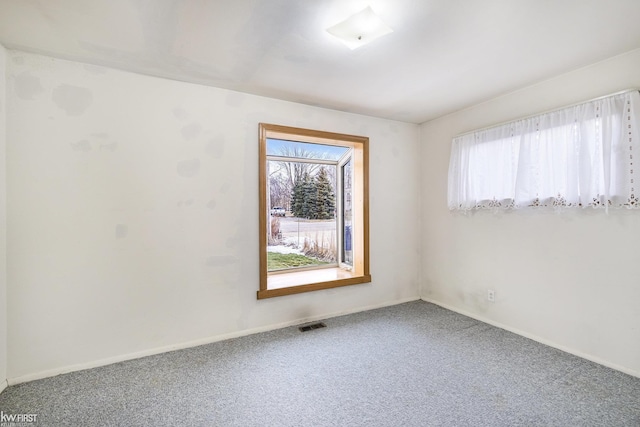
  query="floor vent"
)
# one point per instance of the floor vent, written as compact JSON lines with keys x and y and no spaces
{"x":312,"y":326}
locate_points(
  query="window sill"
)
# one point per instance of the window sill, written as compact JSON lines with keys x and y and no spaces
{"x":310,"y":280}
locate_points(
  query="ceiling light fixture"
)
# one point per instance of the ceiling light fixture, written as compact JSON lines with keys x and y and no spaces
{"x":360,"y":29}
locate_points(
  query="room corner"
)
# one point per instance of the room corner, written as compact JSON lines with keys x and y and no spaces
{"x":3,"y":221}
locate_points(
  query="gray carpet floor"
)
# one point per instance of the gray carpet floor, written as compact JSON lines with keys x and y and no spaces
{"x":413,"y":364}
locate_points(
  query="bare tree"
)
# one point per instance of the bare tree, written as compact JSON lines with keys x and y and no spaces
{"x":283,"y":175}
{"x":295,"y":171}
{"x":279,"y":192}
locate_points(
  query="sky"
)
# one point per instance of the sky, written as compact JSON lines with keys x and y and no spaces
{"x":275,"y":147}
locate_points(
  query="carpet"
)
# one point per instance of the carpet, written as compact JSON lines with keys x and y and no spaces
{"x":413,"y":364}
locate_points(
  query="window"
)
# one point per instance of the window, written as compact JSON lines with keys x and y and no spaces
{"x":314,"y":209}
{"x":578,"y":156}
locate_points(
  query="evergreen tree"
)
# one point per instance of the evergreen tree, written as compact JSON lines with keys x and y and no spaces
{"x":313,"y":198}
{"x":310,"y":198}
{"x":297,"y":198}
{"x":325,"y":197}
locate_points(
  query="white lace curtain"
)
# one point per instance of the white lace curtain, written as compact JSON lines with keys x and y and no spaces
{"x":578,"y":156}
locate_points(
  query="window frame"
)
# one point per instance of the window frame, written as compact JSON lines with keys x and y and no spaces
{"x":280,"y":283}
{"x":340,"y":209}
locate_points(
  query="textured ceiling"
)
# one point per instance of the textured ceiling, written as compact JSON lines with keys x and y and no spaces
{"x":443,"y":55}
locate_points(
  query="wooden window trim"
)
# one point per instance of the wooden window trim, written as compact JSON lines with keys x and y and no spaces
{"x":280,"y":284}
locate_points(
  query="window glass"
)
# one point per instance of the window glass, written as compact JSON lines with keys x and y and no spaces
{"x":279,"y":147}
{"x":347,"y":214}
{"x":303,"y":224}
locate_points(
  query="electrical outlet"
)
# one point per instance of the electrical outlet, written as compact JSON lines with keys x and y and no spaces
{"x":491,"y":295}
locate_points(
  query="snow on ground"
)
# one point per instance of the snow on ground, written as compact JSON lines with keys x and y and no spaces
{"x":283,"y":249}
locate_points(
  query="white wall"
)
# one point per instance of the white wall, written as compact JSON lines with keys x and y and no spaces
{"x":133,"y":215}
{"x":3,"y":223}
{"x":570,"y":279}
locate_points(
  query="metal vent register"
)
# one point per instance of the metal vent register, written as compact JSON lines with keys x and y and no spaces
{"x":312,"y":326}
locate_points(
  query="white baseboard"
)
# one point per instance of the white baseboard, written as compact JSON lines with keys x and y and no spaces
{"x":3,"y":384}
{"x":537,"y":338}
{"x":110,"y":360}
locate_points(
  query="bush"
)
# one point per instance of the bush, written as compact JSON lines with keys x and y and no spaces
{"x":275,"y":234}
{"x":321,"y":248}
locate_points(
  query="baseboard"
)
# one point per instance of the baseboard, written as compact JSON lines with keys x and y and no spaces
{"x":3,"y":384}
{"x":189,"y":344}
{"x":537,"y":338}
